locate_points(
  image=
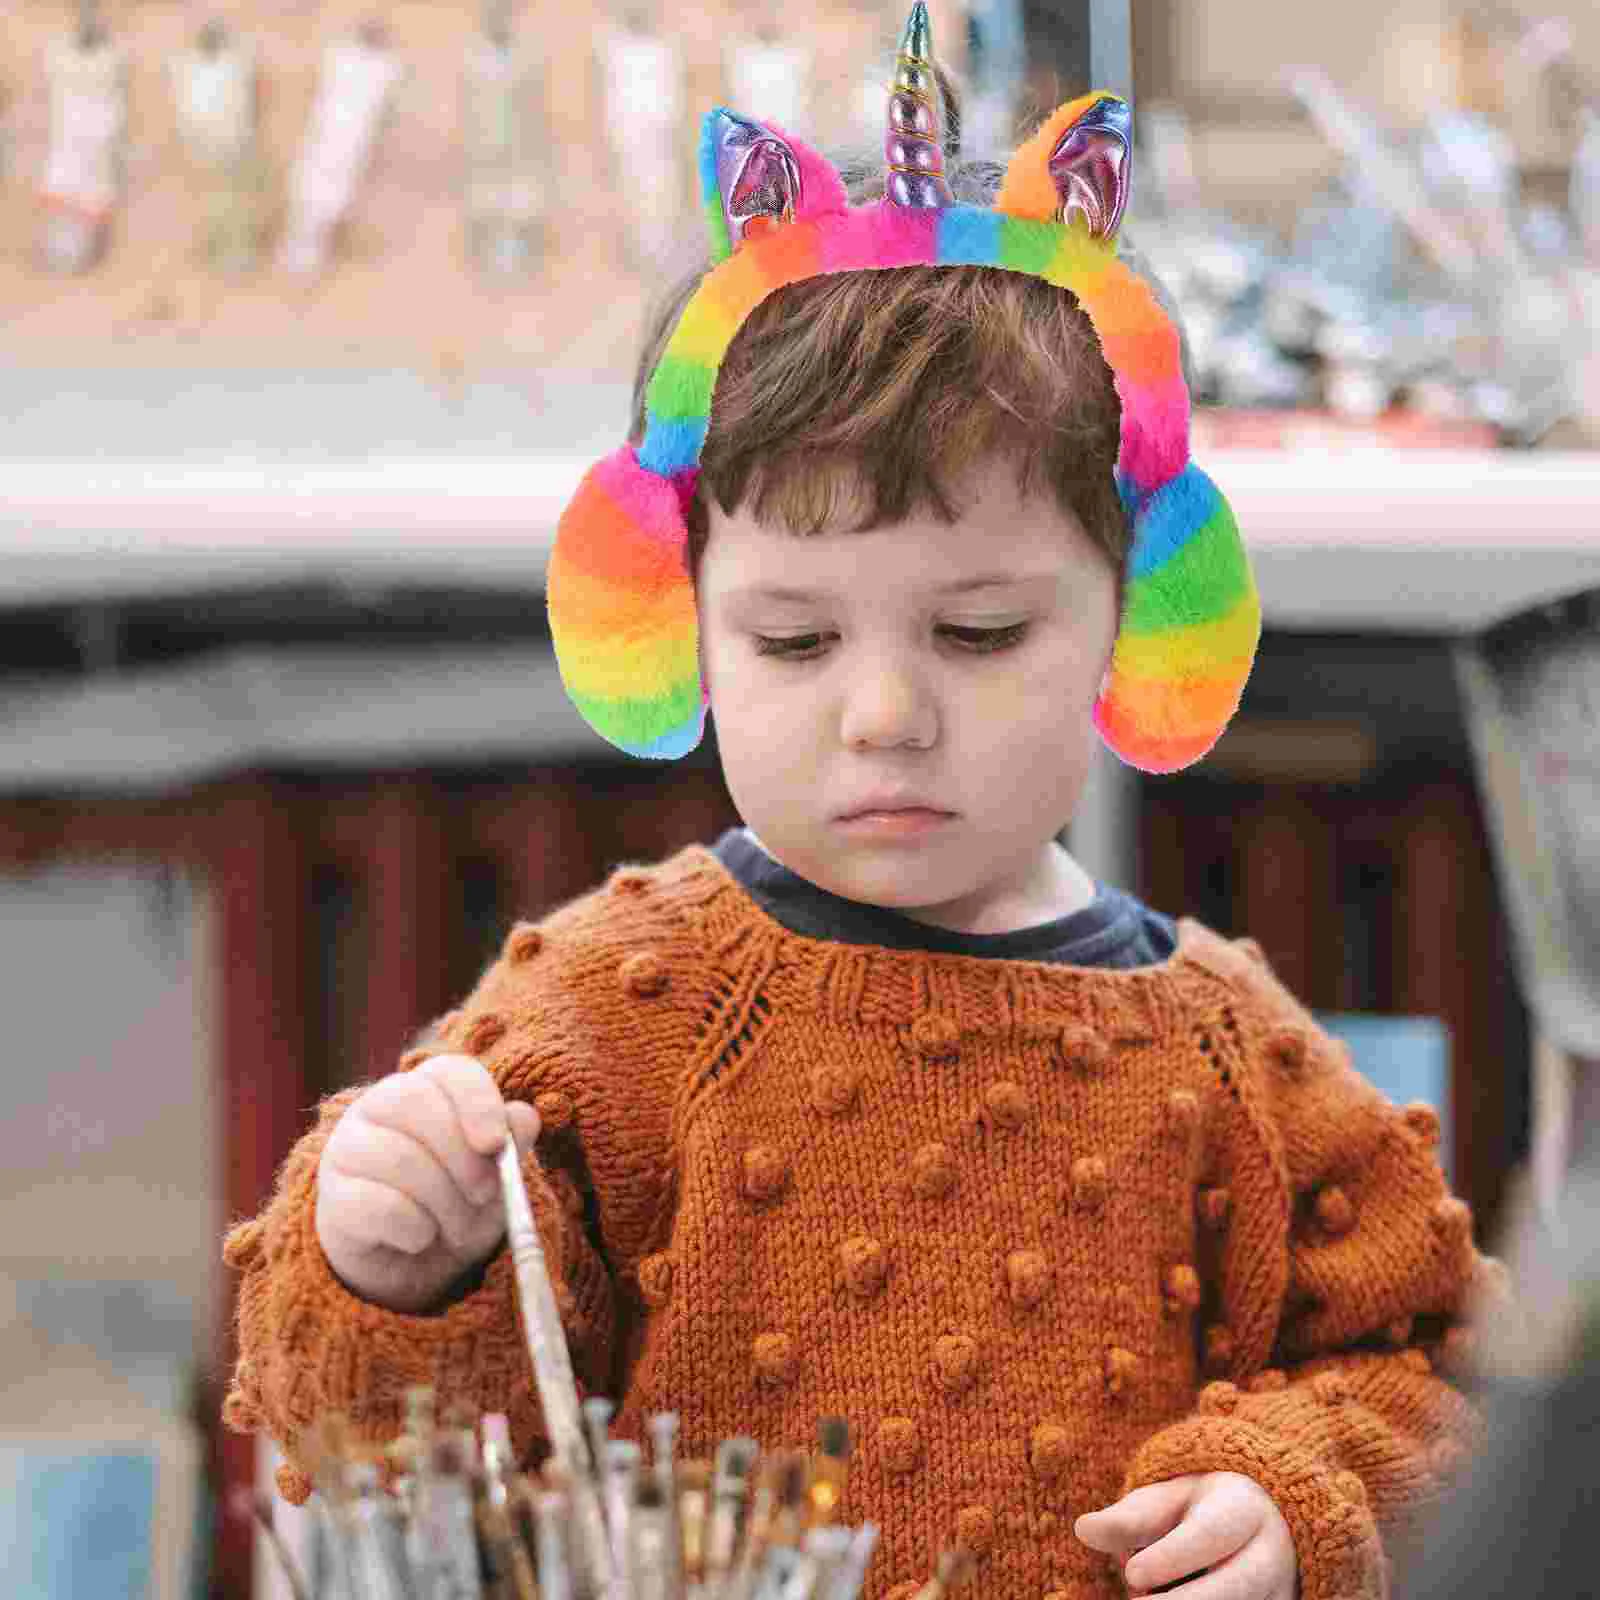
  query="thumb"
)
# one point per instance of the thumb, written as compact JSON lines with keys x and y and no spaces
{"x":525,"y":1125}
{"x":1138,"y":1518}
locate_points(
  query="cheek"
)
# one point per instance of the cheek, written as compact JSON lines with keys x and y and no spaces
{"x":1050,"y":701}
{"x":754,"y":722}
{"x":727,"y":679}
{"x":718,"y":669}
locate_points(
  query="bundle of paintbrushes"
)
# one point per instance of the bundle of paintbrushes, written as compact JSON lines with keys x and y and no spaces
{"x":445,"y":1514}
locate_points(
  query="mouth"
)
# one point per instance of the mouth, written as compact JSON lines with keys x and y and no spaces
{"x":891,"y":809}
{"x":891,"y":802}
{"x":897,"y":821}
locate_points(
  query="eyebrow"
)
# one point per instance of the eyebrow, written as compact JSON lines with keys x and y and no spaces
{"x":987,"y":580}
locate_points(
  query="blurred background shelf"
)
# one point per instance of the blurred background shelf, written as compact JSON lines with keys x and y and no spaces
{"x":1350,"y":535}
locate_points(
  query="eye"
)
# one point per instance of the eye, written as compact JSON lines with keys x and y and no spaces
{"x":809,"y":646}
{"x":790,"y":647}
{"x":983,"y":640}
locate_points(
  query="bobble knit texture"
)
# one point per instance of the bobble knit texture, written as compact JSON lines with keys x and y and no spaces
{"x":1041,"y":1234}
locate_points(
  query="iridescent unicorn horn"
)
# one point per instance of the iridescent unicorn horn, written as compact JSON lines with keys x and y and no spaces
{"x":914,"y":145}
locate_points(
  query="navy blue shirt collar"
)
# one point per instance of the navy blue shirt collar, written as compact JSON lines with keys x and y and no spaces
{"x":1114,"y":930}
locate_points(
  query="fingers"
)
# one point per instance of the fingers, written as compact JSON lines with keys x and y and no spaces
{"x":474,"y":1096}
{"x":1137,"y":1519}
{"x":412,"y":1168}
{"x":1214,"y":1528}
{"x":423,"y":1105}
{"x":525,"y":1124}
{"x":371,"y":1213}
{"x":384,"y":1155}
{"x":1251,"y":1574}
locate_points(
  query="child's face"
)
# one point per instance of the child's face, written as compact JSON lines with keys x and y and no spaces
{"x":893,"y":671}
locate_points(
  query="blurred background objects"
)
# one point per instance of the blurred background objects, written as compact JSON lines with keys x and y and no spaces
{"x":1524,"y":1517}
{"x":314,"y":312}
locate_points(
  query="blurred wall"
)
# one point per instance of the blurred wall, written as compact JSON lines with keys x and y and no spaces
{"x":153,"y":299}
{"x":108,"y":1145}
{"x":1226,"y":63}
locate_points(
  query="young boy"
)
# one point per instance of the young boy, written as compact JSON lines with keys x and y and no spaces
{"x":884,"y":1107}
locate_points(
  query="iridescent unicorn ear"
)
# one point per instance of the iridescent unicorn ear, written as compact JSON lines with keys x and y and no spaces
{"x":1077,"y":165}
{"x":754,"y":178}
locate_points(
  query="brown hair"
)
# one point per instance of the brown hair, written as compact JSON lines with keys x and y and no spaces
{"x":871,"y":393}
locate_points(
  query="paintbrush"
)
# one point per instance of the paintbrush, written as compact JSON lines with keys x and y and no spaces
{"x":954,"y":1571}
{"x":552,"y":1371}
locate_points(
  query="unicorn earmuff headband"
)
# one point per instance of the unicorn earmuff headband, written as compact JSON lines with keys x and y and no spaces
{"x":619,"y":593}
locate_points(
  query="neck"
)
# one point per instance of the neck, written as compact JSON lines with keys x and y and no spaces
{"x":1054,"y":887}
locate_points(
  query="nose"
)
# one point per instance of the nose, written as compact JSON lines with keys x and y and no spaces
{"x":887,"y":705}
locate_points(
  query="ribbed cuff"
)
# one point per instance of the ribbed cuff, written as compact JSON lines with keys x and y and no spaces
{"x":1336,"y":1540}
{"x":310,"y":1346}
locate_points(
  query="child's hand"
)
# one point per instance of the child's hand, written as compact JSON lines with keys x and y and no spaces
{"x":408,"y":1193}
{"x":1223,"y":1521}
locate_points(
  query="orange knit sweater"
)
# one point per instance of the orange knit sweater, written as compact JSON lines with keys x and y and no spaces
{"x":1040,"y":1233}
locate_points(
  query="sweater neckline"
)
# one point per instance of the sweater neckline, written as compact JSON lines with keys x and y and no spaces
{"x":973,"y":992}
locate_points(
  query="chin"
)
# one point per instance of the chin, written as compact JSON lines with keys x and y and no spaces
{"x":894,"y":880}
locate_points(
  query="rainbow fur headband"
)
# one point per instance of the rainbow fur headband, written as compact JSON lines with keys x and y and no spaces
{"x":620,"y":599}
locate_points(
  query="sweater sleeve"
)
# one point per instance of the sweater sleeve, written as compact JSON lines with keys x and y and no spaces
{"x":1340,"y":1285}
{"x":308,"y":1346}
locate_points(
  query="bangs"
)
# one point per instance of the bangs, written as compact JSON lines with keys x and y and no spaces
{"x":854,"y":401}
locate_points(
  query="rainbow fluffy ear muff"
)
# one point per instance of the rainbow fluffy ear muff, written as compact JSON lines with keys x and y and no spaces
{"x":620,"y":598}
